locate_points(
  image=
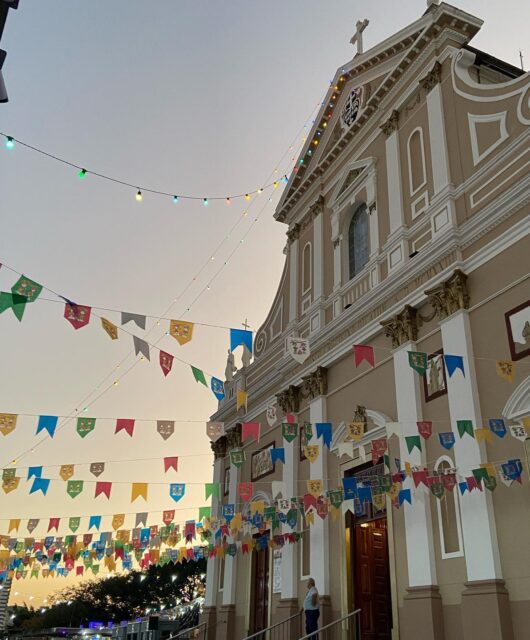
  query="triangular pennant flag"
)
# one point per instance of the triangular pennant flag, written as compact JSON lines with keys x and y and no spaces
{"x":465,"y":426}
{"x":452,"y":363}
{"x":483,"y":435}
{"x":85,"y":426}
{"x":97,"y":468}
{"x":212,"y":489}
{"x":413,"y":442}
{"x":103,"y":488}
{"x":13,"y":301}
{"x":94,"y":521}
{"x":166,"y":362}
{"x":73,"y":523}
{"x":77,"y":315}
{"x":198,"y":374}
{"x":425,"y":429}
{"x":214,"y":430}
{"x":205,"y":513}
{"x":141,"y":346}
{"x":171,"y":463}
{"x":447,"y":439}
{"x":277,"y":454}
{"x":9,"y":484}
{"x":240,"y":337}
{"x":166,"y":428}
{"x":272,"y":415}
{"x":40,"y":484}
{"x":138,"y":490}
{"x":345,"y":449}
{"x":298,"y":348}
{"x":168,"y":516}
{"x":241,"y":399}
{"x":379,"y":446}
{"x":250,"y":430}
{"x":124,"y":424}
{"x":140,"y":519}
{"x":33,"y":523}
{"x":324,"y":431}
{"x":393,"y":428}
{"x":418,"y":361}
{"x":117,"y":520}
{"x":181,"y":330}
{"x":404,"y":495}
{"x":134,"y":317}
{"x":54,"y":524}
{"x":218,"y":388}
{"x":505,"y":369}
{"x":47,"y":423}
{"x":277,"y":487}
{"x":110,"y":328}
{"x":66,"y":471}
{"x":34,"y":472}
{"x":8,"y":422}
{"x":176,"y":491}
{"x":363,"y":352}
{"x":74,"y":487}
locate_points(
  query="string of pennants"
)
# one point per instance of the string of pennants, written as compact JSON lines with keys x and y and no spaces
{"x":26,"y":291}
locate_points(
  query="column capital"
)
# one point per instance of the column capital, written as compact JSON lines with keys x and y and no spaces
{"x":449,"y":296}
{"x":391,"y":124}
{"x":315,"y":384}
{"x":289,"y":399}
{"x":403,"y":327}
{"x":433,"y":78}
{"x":233,"y":437}
{"x":219,"y":448}
{"x":293,"y":233}
{"x":317,"y":207}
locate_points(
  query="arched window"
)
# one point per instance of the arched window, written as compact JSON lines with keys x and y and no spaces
{"x":358,"y":241}
{"x":416,"y":160}
{"x":448,"y":509}
{"x":306,"y":268}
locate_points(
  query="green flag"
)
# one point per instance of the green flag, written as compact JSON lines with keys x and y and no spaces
{"x":490,"y":482}
{"x":413,"y":441}
{"x":437,"y":489}
{"x":335,"y":498}
{"x":27,"y":288}
{"x":212,"y":489}
{"x":289,"y":431}
{"x":198,"y":374}
{"x":74,"y":523}
{"x":13,"y":301}
{"x":465,"y":426}
{"x":480,"y":474}
{"x":74,"y":487}
{"x":237,"y":457}
{"x":85,"y":426}
{"x":95,"y":569}
{"x":204,"y":512}
{"x":418,"y":361}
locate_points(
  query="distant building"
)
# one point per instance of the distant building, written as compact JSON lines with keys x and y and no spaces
{"x":5,"y":5}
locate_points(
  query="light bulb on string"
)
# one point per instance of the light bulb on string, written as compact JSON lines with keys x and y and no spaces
{"x":247,"y":197}
{"x":139,"y":196}
{"x":10,"y":143}
{"x":260,"y":190}
{"x":205,"y":202}
{"x":228,"y":201}
{"x":82,"y":174}
{"x":175,"y":199}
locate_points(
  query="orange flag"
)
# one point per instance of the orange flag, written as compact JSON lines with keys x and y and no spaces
{"x":181,"y":330}
{"x":110,"y":328}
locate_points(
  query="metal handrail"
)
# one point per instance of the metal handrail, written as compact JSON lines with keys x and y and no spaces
{"x":273,"y":626}
{"x":180,"y":634}
{"x":315,"y":634}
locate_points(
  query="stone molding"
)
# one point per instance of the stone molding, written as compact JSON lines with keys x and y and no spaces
{"x":391,"y":124}
{"x":315,"y":384}
{"x":219,"y":448}
{"x":289,"y":399}
{"x":433,"y":78}
{"x":449,"y":296}
{"x":233,"y":437}
{"x":293,"y":233}
{"x":402,"y":327}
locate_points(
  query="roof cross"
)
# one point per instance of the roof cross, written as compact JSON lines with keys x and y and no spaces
{"x":357,"y":37}
{"x":246,"y":325}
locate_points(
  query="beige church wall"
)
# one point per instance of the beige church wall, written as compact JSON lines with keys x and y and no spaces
{"x":327,"y":252}
{"x":480,"y":243}
{"x":243,"y":588}
{"x":306,"y":236}
{"x":452,"y":617}
{"x":520,"y":619}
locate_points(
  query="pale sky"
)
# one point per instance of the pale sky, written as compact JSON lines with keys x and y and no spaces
{"x":200,"y":98}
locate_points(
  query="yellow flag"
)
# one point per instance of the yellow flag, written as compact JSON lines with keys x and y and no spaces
{"x":10,"y":484}
{"x":355,"y":431}
{"x":490,"y":468}
{"x":393,"y":491}
{"x":379,"y":500}
{"x":310,"y":517}
{"x":14,"y":524}
{"x":8,"y":422}
{"x":526,"y":423}
{"x":408,"y":469}
{"x":242,"y":398}
{"x":181,"y":330}
{"x":110,"y":563}
{"x":138,"y":490}
{"x":66,"y":471}
{"x":312,"y":451}
{"x":258,"y":506}
{"x":110,"y":328}
{"x":118,"y":520}
{"x":236,"y":522}
{"x":315,"y":487}
{"x":483,"y":435}
{"x":505,"y":369}
{"x":124,"y":535}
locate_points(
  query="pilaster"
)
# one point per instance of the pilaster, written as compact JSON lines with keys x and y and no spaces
{"x":292,"y":236}
{"x":231,"y":562}
{"x":438,"y":142}
{"x":393,"y":170}
{"x":289,"y":566}
{"x":317,"y":211}
{"x":212,"y":570}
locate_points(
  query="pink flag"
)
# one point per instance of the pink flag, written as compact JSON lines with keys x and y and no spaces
{"x":250,"y":430}
{"x":246,"y":491}
{"x":54,"y":524}
{"x":166,"y":362}
{"x":290,"y":418}
{"x":420,"y":476}
{"x":79,"y":571}
{"x":77,"y":315}
{"x":168,"y":516}
{"x":425,"y":429}
{"x":363,"y":352}
{"x":170,"y":463}
{"x":124,"y":424}
{"x":103,"y":488}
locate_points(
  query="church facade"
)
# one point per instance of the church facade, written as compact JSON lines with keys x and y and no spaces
{"x":402,"y":319}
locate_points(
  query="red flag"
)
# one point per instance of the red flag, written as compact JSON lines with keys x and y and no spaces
{"x":363,"y":352}
{"x":473,"y":484}
{"x":54,"y":524}
{"x":87,"y":539}
{"x":449,"y":481}
{"x":189,"y":530}
{"x":77,"y":315}
{"x":171,"y":463}
{"x":246,"y":491}
{"x":250,"y":430}
{"x":425,"y":429}
{"x":168,"y":517}
{"x":166,"y":362}
{"x":420,"y":476}
{"x":322,"y":507}
{"x":103,"y":488}
{"x":309,"y":502}
{"x":119,"y":554}
{"x":153,"y":530}
{"x":79,"y":571}
{"x":379,"y":446}
{"x":290,"y":418}
{"x":124,"y":424}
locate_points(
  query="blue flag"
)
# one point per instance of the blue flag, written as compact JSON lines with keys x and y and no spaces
{"x":47,"y":423}
{"x":94,"y":521}
{"x":498,"y":427}
{"x":240,"y":336}
{"x":40,"y":484}
{"x":462,"y":486}
{"x":176,"y":491}
{"x":404,"y":495}
{"x":218,"y":388}
{"x":324,"y":432}
{"x":34,"y":472}
{"x":453,"y":363}
{"x":350,"y":488}
{"x":278,"y":454}
{"x":447,"y":439}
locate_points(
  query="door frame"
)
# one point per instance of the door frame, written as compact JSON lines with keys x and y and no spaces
{"x":251,"y":609}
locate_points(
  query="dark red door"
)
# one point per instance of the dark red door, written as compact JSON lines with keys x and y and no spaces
{"x":260,"y":590}
{"x":372,"y":580}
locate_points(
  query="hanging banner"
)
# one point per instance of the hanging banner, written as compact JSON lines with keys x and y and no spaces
{"x":315,"y":488}
{"x":355,"y":431}
{"x":33,"y":523}
{"x":27,"y":288}
{"x":168,"y":516}
{"x":324,"y":431}
{"x":170,"y":462}
{"x":13,"y":301}
{"x":110,"y":328}
{"x":40,"y":484}
{"x":212,"y":489}
{"x":245,"y":491}
{"x":8,"y":423}
{"x":198,"y":374}
{"x":465,"y":426}
{"x":77,"y":315}
{"x":518,"y":432}
{"x":298,"y":348}
{"x":413,"y":442}
{"x":214,"y":430}
{"x":141,"y":346}
{"x":272,"y":416}
{"x":94,"y":521}
{"x":312,"y":452}
{"x":103,"y":488}
{"x":424,"y":429}
{"x":277,"y":454}
{"x":117,"y":520}
{"x":74,"y":488}
{"x":166,"y":428}
{"x":452,"y":363}
{"x":447,"y":439}
{"x":73,"y":523}
{"x":240,"y":337}
{"x":289,"y":431}
{"x":66,"y":471}
{"x":176,"y":491}
{"x":181,"y":330}
{"x":237,"y":457}
{"x":506,"y":369}
{"x":218,"y":388}
{"x":47,"y":423}
{"x":138,"y":490}
{"x":134,"y":317}
{"x":498,"y":427}
{"x":166,"y":362}
{"x":97,"y":468}
{"x":9,"y":484}
{"x":125,"y":424}
{"x":250,"y":430}
{"x":363,"y":352}
{"x":85,"y":426}
{"x":418,"y":361}
{"x":241,"y":399}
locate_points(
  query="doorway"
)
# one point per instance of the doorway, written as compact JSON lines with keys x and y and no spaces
{"x":259,"y":596}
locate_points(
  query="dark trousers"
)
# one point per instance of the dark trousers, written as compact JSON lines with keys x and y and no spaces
{"x":311,"y":620}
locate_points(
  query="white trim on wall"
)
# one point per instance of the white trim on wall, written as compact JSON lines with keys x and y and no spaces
{"x":308,"y":288}
{"x":473,"y":120}
{"x":460,"y":551}
{"x":412,"y":188}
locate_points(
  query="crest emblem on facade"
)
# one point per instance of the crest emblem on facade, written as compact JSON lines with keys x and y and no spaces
{"x":298,"y":348}
{"x":351,"y":108}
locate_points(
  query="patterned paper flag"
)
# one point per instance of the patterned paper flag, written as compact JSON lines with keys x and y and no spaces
{"x":110,"y":328}
{"x":355,"y":430}
{"x":198,"y":374}
{"x":176,"y":491}
{"x":218,"y":388}
{"x":54,"y":524}
{"x":312,"y":452}
{"x":166,"y":362}
{"x":47,"y":423}
{"x":250,"y":430}
{"x":10,"y":483}
{"x":237,"y":457}
{"x":168,"y":516}
{"x":117,"y":520}
{"x":124,"y":424}
{"x":241,"y":399}
{"x":447,"y":439}
{"x":181,"y":330}
{"x":33,"y":523}
{"x":505,"y":369}
{"x":27,"y":288}
{"x":166,"y":428}
{"x":315,"y":488}
{"x":66,"y":471}
{"x":245,"y":490}
{"x":138,"y":490}
{"x":298,"y":348}
{"x":272,"y":416}
{"x":74,"y":487}
{"x":85,"y":426}
{"x":97,"y":468}
{"x":77,"y":315}
{"x":215,"y":430}
{"x":425,"y":429}
{"x":8,"y":423}
{"x":73,"y":523}
{"x":518,"y":432}
{"x":418,"y":361}
{"x":379,"y":446}
{"x":498,"y":427}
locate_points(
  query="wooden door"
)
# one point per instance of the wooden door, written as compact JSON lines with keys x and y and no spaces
{"x":372,"y":580}
{"x":260,"y":590}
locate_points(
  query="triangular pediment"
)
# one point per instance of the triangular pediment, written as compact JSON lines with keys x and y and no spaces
{"x":354,"y":174}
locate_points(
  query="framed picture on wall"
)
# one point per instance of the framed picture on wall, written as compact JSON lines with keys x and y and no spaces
{"x":226,"y":481}
{"x":434,"y":380}
{"x":261,"y":464}
{"x":518,"y":327}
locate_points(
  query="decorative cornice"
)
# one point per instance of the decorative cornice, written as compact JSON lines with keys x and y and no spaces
{"x":317,"y":207}
{"x":433,"y":78}
{"x":219,"y":448}
{"x":449,"y":296}
{"x":289,"y":399}
{"x":403,"y":327}
{"x":391,"y":124}
{"x":315,"y":384}
{"x":293,"y":233}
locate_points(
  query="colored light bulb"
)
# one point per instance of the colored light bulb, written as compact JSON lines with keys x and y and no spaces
{"x":205,"y":202}
{"x":82,"y":173}
{"x":175,"y":199}
{"x":139,"y":196}
{"x":247,"y":197}
{"x":228,"y":201}
{"x":275,"y":185}
{"x":10,"y":143}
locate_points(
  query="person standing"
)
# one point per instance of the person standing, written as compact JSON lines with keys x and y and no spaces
{"x":311,"y":608}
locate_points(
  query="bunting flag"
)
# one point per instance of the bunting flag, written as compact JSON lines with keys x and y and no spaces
{"x":168,"y":516}
{"x":218,"y":388}
{"x":117,"y":520}
{"x":345,"y":449}
{"x":97,"y":468}
{"x":355,"y":431}
{"x":245,"y":491}
{"x":363,"y":352}
{"x":74,"y":487}
{"x":324,"y":431}
{"x":33,"y":523}
{"x":166,"y":362}
{"x":498,"y":427}
{"x":413,"y":442}
{"x":289,"y":431}
{"x":198,"y":374}
{"x":140,"y":519}
{"x":404,"y":495}
{"x":110,"y":328}
{"x":505,"y":369}
{"x":205,"y":513}
{"x":315,"y":489}
{"x":181,"y":330}
{"x":272,"y":415}
{"x":418,"y":361}
{"x":518,"y":432}
{"x":237,"y":457}
{"x":312,"y":452}
{"x":379,"y":447}
{"x":133,"y":317}
{"x":437,"y":490}
{"x":214,"y":430}
{"x":47,"y":423}
{"x":13,"y":301}
{"x":14,"y":525}
{"x":8,"y":423}
{"x":465,"y":426}
{"x":278,"y":487}
{"x":103,"y":488}
{"x":40,"y":484}
{"x":73,"y":523}
{"x":26,"y":288}
{"x":141,"y":346}
{"x":490,"y":483}
{"x":393,"y":428}
{"x":66,"y":471}
{"x":250,"y":430}
{"x":34,"y":472}
{"x":125,"y":424}
{"x":10,"y":484}
{"x":447,"y":439}
{"x":54,"y":524}
{"x":85,"y":426}
{"x":483,"y":435}
{"x":176,"y":491}
{"x":77,"y":315}
{"x":298,"y":349}
{"x":139,"y":490}
{"x":170,"y":463}
{"x":350,"y":488}
{"x":241,"y":399}
{"x":277,"y":454}
{"x":166,"y":428}
{"x":94,"y":521}
{"x":452,"y":363}
{"x":425,"y":429}
{"x":212,"y":489}
{"x":240,"y":337}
